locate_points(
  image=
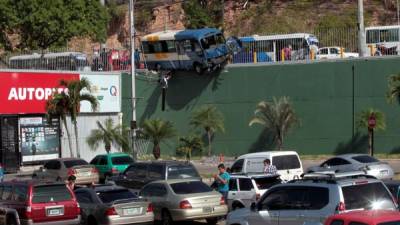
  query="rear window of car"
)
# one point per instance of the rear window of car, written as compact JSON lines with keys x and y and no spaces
{"x":266,"y":182}
{"x":182,"y":172}
{"x":286,"y":162}
{"x":121,"y":160}
{"x":396,"y":222}
{"x":365,"y":159}
{"x":114,"y":195}
{"x":50,"y":193}
{"x":72,"y":163}
{"x":367,"y":196}
{"x":190,"y":187}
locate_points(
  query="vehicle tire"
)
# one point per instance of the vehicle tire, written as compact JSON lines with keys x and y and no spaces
{"x":237,"y":205}
{"x":11,"y":220}
{"x":212,"y":221}
{"x":166,"y":218}
{"x":91,"y":221}
{"x":198,"y":68}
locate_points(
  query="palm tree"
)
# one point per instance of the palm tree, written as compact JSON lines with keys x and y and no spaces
{"x":277,"y":116}
{"x":75,"y":87}
{"x":108,"y":134}
{"x":158,"y":130}
{"x":210,"y":119}
{"x":190,"y":143}
{"x":394,"y":88}
{"x":57,"y":105}
{"x":363,"y":122}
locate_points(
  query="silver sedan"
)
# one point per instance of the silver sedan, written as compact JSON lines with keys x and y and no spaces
{"x":355,"y":162}
{"x":184,"y":200}
{"x":113,"y":205}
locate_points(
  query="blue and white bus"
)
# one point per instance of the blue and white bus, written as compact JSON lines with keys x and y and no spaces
{"x":197,"y":49}
{"x":268,"y":48}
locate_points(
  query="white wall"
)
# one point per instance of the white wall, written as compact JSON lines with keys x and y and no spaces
{"x":86,"y":123}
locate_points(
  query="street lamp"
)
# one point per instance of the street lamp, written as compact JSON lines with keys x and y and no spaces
{"x":133,"y":77}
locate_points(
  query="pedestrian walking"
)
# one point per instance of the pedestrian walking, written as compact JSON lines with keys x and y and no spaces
{"x":222,"y":180}
{"x":71,"y":182}
{"x":269,"y":168}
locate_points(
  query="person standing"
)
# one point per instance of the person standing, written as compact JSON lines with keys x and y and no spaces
{"x":268,"y":168}
{"x":71,"y":182}
{"x":222,"y":180}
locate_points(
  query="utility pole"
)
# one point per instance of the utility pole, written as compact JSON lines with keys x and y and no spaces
{"x":132,"y":42}
{"x":361,"y":29}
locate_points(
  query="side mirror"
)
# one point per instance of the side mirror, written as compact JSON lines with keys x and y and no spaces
{"x":253,"y":207}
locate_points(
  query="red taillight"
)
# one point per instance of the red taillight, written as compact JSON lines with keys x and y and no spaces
{"x":114,"y":170}
{"x":78,"y":209}
{"x":71,"y":172}
{"x":28,"y":213}
{"x":258,"y":196}
{"x":94,"y":170}
{"x":341,"y":207}
{"x":185,"y":205}
{"x":150,"y":208}
{"x":111,"y":211}
{"x":222,"y":201}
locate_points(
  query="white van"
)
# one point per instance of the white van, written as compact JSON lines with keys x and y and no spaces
{"x":287,"y":163}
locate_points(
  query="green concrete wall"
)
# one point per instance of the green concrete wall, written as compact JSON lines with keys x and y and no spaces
{"x":325,"y":95}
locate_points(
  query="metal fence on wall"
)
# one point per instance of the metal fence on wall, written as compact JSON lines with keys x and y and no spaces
{"x":316,"y":45}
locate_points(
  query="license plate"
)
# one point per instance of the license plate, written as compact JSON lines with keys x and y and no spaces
{"x":131,"y":211}
{"x":384,"y":172}
{"x":54,"y":212}
{"x":207,"y":209}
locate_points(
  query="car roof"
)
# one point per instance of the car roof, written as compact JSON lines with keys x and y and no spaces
{"x":66,"y":159}
{"x":174,"y":181}
{"x":163,"y":162}
{"x":267,"y":153}
{"x":115,"y":154}
{"x":103,"y":188}
{"x":392,"y":182}
{"x":33,"y":182}
{"x":368,"y":216}
{"x":254,"y":175}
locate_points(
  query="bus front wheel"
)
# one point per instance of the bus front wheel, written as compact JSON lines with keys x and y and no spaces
{"x":198,"y":68}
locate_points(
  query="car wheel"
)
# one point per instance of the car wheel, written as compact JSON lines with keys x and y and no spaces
{"x":11,"y":220}
{"x":237,"y":205}
{"x":166,"y":218}
{"x":91,"y":221}
{"x":212,"y":221}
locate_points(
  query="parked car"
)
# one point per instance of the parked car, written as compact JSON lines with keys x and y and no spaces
{"x":356,"y":162}
{"x":314,"y":198}
{"x":109,"y":204}
{"x":184,"y":200}
{"x":61,"y":169}
{"x":365,"y":217}
{"x":40,"y":202}
{"x":111,"y":164}
{"x":139,"y":174}
{"x":334,"y":53}
{"x":248,"y":188}
{"x":9,"y":216}
{"x":394,"y":188}
{"x":287,"y":163}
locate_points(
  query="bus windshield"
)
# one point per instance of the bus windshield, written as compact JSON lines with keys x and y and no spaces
{"x":212,"y":41}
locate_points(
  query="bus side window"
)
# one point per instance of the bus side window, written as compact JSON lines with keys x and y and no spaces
{"x":180,"y":48}
{"x":187,"y":46}
{"x":195,"y":46}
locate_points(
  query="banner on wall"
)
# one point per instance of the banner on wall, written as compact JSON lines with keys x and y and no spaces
{"x":27,"y":92}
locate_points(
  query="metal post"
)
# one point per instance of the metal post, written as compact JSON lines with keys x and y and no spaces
{"x":132,"y":42}
{"x":361,"y":29}
{"x":398,"y":24}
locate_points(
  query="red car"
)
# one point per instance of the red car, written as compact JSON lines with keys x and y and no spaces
{"x":41,"y":203}
{"x":365,"y":217}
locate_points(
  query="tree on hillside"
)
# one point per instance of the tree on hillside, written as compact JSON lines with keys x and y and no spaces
{"x":109,"y":135}
{"x":363,"y":122}
{"x":8,"y":19}
{"x":157,"y":131}
{"x":58,"y":106}
{"x":393,"y":94}
{"x":210,"y":119}
{"x":73,"y":99}
{"x":203,"y":13}
{"x":50,"y":23}
{"x":277,"y":116}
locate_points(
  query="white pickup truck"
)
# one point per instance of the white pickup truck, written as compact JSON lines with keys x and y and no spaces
{"x":334,"y":53}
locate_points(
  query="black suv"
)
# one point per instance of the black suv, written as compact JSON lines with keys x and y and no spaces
{"x":139,"y":174}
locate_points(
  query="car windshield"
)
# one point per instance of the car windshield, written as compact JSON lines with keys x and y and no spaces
{"x":182,"y":172}
{"x":50,"y":193}
{"x":190,"y":187}
{"x":367,"y":196}
{"x":212,"y":41}
{"x":365,"y":159}
{"x":396,"y":222}
{"x":121,"y":160}
{"x":72,"y":163}
{"x":267,"y":182}
{"x":114,"y":195}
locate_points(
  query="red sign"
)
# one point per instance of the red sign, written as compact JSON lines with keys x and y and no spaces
{"x":372,"y":121}
{"x":23,"y":92}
